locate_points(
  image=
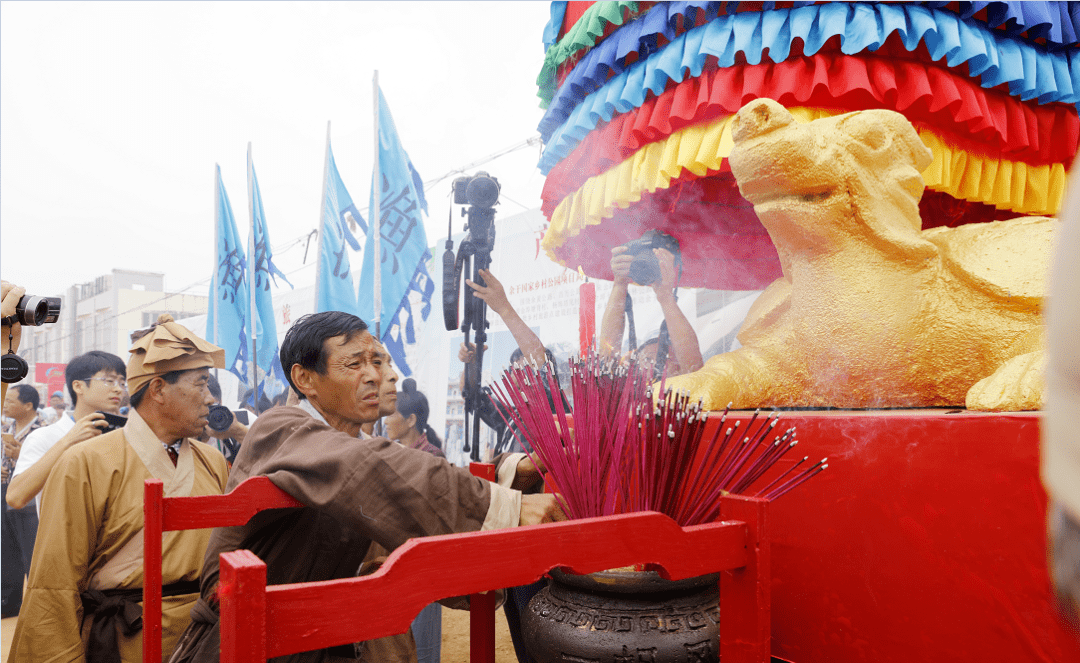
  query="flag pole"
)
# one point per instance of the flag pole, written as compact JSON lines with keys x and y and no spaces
{"x":217,"y":259}
{"x":376,"y":220}
{"x":215,"y":285}
{"x":253,"y":362}
{"x":322,"y":222}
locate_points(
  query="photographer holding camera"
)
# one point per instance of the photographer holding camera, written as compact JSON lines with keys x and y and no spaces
{"x":633,"y":262}
{"x":530,"y":350}
{"x":96,"y":384}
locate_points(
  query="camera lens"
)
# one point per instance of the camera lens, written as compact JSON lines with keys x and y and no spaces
{"x":483,"y":191}
{"x":645,"y":270}
{"x":32,"y":310}
{"x":220,"y":418}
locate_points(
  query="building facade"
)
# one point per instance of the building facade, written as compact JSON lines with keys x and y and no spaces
{"x":101,"y":314}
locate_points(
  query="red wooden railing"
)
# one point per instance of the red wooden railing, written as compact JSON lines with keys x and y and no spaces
{"x":259,"y":622}
{"x":165,"y":514}
{"x":294,"y":616}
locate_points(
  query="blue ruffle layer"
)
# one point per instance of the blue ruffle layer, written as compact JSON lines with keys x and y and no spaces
{"x":1031,"y":71}
{"x":1056,"y":22}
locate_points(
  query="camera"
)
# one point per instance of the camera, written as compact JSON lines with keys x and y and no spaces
{"x":480,"y":190}
{"x":35,"y":311}
{"x":32,"y":311}
{"x":114,"y":421}
{"x":481,"y":193}
{"x":220,"y":418}
{"x":645,"y":270}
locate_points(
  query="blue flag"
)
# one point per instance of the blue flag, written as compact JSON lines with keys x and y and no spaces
{"x":270,"y":376}
{"x":227,"y":314}
{"x":403,"y":244}
{"x":403,"y":331}
{"x":334,"y":287}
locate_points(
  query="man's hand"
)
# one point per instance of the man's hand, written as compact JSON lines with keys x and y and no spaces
{"x":10,"y":295}
{"x":492,"y":294}
{"x":620,"y":265}
{"x":667,"y":271}
{"x":11,"y":447}
{"x":86,"y":428}
{"x":541,"y":508}
{"x":236,"y":431}
{"x":526,"y":474}
{"x":467,"y":353}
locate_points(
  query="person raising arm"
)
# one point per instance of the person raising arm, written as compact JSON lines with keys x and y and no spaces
{"x":494,"y":296}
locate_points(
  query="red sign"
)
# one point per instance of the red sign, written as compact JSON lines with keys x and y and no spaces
{"x":51,"y":375}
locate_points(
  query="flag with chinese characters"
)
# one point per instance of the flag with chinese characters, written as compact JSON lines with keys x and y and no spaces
{"x":269,"y":374}
{"x":403,"y":245}
{"x":227,"y":313}
{"x":334,"y":286}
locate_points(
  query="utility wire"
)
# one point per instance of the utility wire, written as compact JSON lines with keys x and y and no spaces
{"x":288,"y":244}
{"x":429,"y":184}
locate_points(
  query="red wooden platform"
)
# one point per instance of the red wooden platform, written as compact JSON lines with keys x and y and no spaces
{"x":923,"y":541}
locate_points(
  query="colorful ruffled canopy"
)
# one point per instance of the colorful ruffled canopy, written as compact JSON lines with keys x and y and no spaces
{"x":639,"y":97}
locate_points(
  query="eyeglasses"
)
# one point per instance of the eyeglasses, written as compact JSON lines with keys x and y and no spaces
{"x":111,"y":383}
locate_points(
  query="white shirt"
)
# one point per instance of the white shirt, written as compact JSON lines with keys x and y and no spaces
{"x":38,"y":443}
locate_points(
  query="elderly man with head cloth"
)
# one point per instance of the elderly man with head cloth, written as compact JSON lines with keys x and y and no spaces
{"x":354,"y":491}
{"x":85,"y":589}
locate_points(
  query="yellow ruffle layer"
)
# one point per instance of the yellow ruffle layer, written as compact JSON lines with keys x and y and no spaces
{"x":1012,"y":185}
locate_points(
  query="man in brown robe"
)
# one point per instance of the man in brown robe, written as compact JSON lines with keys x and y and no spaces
{"x":355,"y":491}
{"x":83,"y":600}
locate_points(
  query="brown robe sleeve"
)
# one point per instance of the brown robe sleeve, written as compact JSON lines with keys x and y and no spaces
{"x":386,"y":491}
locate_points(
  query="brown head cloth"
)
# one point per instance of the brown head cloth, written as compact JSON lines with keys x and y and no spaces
{"x":169,"y":347}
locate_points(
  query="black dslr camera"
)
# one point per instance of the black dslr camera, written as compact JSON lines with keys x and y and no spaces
{"x":645,"y":270}
{"x":112,"y":421}
{"x":32,"y":311}
{"x":221,"y":418}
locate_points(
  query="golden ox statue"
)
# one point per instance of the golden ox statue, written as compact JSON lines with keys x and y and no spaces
{"x":873,"y":312}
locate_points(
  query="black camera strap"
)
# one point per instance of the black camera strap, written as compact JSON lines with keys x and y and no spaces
{"x":663,"y":345}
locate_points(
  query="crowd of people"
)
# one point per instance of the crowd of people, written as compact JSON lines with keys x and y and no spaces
{"x":364,"y":494}
{"x":355,"y":447}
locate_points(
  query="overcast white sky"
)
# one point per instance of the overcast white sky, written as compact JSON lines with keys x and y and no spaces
{"x":113,"y":114}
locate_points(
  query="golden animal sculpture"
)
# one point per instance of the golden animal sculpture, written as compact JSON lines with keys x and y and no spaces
{"x":873,"y":312}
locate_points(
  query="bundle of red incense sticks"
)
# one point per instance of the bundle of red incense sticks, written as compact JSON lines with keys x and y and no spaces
{"x":621,"y":450}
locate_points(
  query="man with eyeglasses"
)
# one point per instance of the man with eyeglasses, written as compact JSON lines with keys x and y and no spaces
{"x":96,"y":384}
